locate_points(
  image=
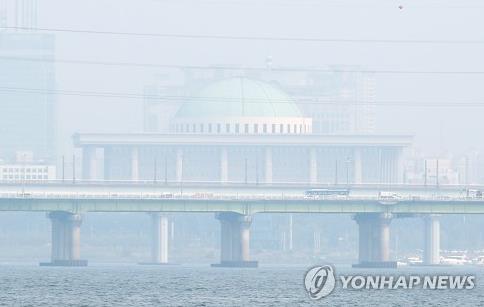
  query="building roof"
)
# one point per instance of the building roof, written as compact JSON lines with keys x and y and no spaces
{"x":239,"y":97}
{"x":316,"y":140}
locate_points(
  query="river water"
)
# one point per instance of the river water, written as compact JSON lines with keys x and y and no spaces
{"x":133,"y":285}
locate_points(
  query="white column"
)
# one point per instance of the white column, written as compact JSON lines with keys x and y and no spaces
{"x":432,"y":240}
{"x":313,"y":166}
{"x":135,"y":164}
{"x":107,"y":156}
{"x":374,"y":236}
{"x":357,"y":166}
{"x":66,"y":236}
{"x":179,"y":165}
{"x":384,"y":228}
{"x":57,"y":239}
{"x":75,"y":236}
{"x":224,"y":165}
{"x":268,"y":165}
{"x":245,"y":239}
{"x":226,"y":240}
{"x":89,"y":163}
{"x":400,"y":165}
{"x":290,"y":232}
{"x":159,"y":247}
{"x":235,"y":240}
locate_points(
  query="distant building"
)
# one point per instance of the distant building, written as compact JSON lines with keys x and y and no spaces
{"x":18,"y":13}
{"x":471,"y":167}
{"x":27,"y":82}
{"x":338,"y":99}
{"x":432,"y":171}
{"x":25,"y":169}
{"x":241,"y":129}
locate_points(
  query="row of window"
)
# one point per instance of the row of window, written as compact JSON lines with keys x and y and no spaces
{"x":26,"y":170}
{"x":242,"y":128}
{"x":17,"y":177}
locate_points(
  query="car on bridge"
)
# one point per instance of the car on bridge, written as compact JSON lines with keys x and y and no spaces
{"x":473,"y":193}
{"x":321,"y":193}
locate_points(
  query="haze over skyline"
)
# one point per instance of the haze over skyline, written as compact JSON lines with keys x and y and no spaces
{"x":437,"y":129}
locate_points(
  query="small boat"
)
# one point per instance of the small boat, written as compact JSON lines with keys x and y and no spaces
{"x":455,"y":260}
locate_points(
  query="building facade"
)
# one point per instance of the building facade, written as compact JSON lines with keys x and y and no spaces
{"x":27,"y":83}
{"x":247,"y":131}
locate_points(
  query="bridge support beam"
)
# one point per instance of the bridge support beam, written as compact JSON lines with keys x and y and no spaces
{"x":235,"y":237}
{"x":159,"y":239}
{"x":431,"y":250}
{"x":66,"y":240}
{"x":374,"y":240}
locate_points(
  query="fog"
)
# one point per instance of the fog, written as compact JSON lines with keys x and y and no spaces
{"x":426,"y":58}
{"x":436,"y":129}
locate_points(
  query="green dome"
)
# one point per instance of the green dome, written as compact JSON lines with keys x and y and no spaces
{"x":239,"y":97}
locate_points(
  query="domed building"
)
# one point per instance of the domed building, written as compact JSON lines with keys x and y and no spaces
{"x":245,"y":133}
{"x":243,"y":130}
{"x":241,"y":106}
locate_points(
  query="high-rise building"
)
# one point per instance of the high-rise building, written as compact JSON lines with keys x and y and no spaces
{"x":339,"y":101}
{"x":27,"y":84}
{"x":18,"y":13}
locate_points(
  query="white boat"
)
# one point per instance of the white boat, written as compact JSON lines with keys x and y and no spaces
{"x":414,"y":260}
{"x":454,"y":260}
{"x":479,"y":260}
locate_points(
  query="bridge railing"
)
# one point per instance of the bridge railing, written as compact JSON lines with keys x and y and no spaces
{"x":186,"y":183}
{"x":229,"y":196}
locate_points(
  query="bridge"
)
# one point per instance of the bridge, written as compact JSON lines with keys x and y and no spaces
{"x":234,"y":205}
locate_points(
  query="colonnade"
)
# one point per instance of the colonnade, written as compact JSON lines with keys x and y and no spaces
{"x":390,"y":166}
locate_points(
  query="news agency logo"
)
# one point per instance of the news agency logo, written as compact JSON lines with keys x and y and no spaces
{"x":320,"y":281}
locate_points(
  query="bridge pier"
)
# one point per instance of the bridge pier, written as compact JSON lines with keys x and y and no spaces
{"x":374,"y":240}
{"x":431,"y":250}
{"x":66,"y":240}
{"x":235,"y":237}
{"x":159,"y":239}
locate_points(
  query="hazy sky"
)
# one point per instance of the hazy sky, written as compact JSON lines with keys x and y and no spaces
{"x":436,"y":128}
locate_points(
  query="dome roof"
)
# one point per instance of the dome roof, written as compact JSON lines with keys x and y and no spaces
{"x":239,"y":97}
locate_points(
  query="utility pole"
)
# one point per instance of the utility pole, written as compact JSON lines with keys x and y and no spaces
{"x":63,"y":168}
{"x":336,"y":172}
{"x":348,"y":171}
{"x":245,"y":180}
{"x":425,"y":172}
{"x":74,"y":168}
{"x":256,"y":170}
{"x":437,"y":172}
{"x":154,"y":170}
{"x":166,"y":169}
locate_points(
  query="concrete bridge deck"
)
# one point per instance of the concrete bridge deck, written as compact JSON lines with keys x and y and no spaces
{"x":242,"y":204}
{"x":142,"y":196}
{"x":234,"y":205}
